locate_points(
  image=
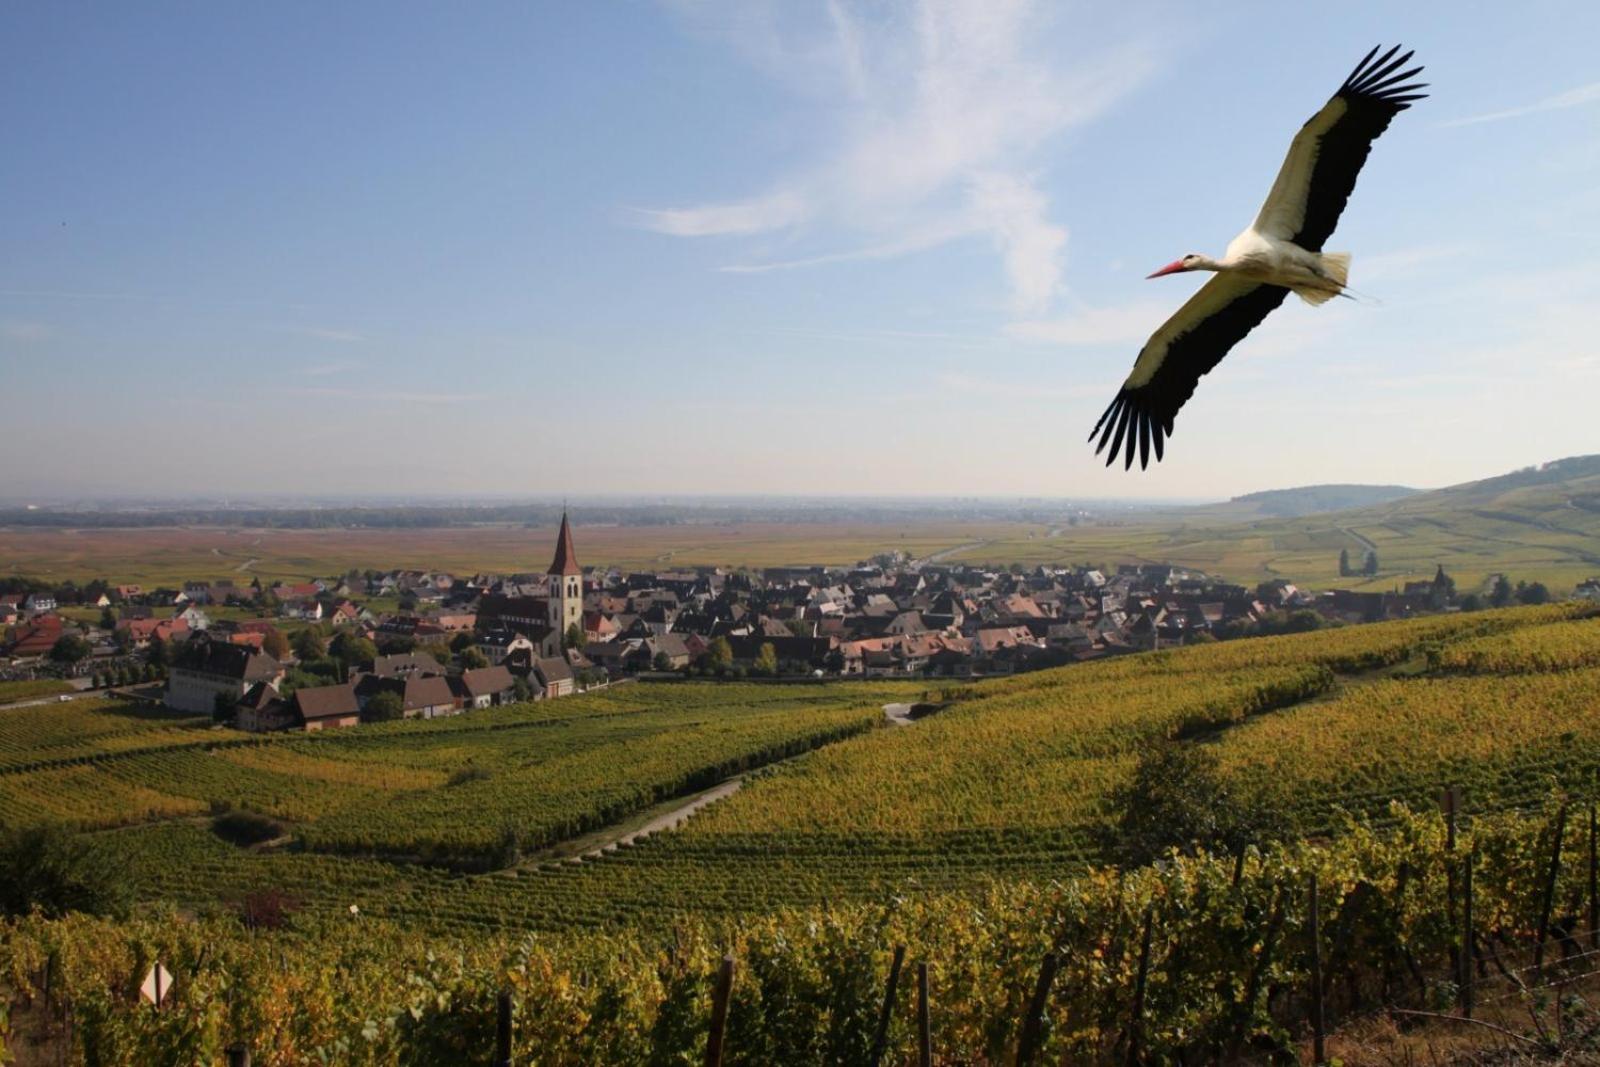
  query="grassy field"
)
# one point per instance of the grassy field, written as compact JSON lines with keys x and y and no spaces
{"x":11,"y":691}
{"x":167,"y":555}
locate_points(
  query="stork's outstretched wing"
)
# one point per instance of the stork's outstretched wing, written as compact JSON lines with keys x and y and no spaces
{"x":1320,"y":171}
{"x":1172,"y":362}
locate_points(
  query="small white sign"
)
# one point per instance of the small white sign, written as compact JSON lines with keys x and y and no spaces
{"x":156,"y":985}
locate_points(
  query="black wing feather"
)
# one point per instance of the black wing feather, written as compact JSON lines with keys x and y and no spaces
{"x":1147,"y":411}
{"x":1376,"y":91}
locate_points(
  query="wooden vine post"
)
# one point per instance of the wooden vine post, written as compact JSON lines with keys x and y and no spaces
{"x":1136,"y":1024}
{"x":719,"y":1012}
{"x":880,"y":1039}
{"x":1469,"y":950}
{"x":1318,"y":1036}
{"x":1028,"y":1046}
{"x":924,"y":1019}
{"x":502,"y":1030}
{"x":1549,"y":900}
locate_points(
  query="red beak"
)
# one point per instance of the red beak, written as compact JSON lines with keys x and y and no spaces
{"x":1171,"y":268}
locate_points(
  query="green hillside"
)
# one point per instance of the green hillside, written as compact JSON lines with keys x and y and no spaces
{"x":1303,"y":500}
{"x":1540,"y":524}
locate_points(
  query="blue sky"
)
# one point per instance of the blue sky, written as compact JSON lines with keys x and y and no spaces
{"x":769,"y":247}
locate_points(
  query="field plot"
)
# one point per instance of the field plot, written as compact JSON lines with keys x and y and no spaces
{"x":160,"y":555}
{"x":11,"y":692}
{"x":458,"y":790}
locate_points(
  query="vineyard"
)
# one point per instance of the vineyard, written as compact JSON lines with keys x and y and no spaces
{"x":1187,"y":959}
{"x":447,"y":790}
{"x":874,"y":833}
{"x":1009,"y":782}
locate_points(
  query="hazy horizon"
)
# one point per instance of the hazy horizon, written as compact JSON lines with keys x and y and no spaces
{"x":707,"y":247}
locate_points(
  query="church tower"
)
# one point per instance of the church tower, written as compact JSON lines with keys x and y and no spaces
{"x":566,"y":584}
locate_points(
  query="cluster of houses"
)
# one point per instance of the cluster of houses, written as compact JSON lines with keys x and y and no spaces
{"x":535,"y":636}
{"x":214,"y":675}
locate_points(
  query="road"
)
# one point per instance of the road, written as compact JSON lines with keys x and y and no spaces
{"x":608,"y":840}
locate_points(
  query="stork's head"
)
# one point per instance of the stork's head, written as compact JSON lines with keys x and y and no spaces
{"x":1192,"y":261}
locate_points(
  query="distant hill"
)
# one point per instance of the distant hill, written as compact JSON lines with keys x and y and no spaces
{"x":1309,"y":500}
{"x":1538,"y":524}
{"x":1560,"y":485}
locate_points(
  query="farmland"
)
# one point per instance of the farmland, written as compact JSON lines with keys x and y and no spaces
{"x":1011,"y":781}
{"x":166,"y":555}
{"x":969,"y":835}
{"x":1536,"y":525}
{"x":448,"y":789}
{"x":1539,"y":525}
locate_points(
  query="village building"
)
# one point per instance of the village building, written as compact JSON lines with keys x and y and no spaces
{"x":213,"y":674}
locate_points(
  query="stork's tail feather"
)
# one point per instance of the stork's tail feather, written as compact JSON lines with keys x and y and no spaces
{"x":1336,"y":269}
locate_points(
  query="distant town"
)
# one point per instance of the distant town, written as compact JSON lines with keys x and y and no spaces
{"x":374,"y":646}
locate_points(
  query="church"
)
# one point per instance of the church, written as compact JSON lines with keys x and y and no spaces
{"x":544,"y":620}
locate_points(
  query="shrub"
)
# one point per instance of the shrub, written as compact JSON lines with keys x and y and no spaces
{"x":49,"y":869}
{"x":247,"y":827}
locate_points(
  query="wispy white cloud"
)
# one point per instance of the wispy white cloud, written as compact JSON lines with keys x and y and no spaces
{"x":939,"y":106}
{"x":772,"y":212}
{"x":1583,"y":94}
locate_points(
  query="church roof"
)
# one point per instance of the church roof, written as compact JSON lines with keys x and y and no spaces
{"x":566,"y":561}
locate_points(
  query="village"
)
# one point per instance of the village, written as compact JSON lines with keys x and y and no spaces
{"x":313,"y":654}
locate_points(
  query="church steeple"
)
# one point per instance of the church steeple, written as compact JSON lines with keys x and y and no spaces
{"x":566,"y":584}
{"x":566,"y":561}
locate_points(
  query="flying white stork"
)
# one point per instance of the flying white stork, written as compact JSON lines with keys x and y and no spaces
{"x":1281,"y":251}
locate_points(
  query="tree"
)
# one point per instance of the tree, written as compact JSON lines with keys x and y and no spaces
{"x":473,"y":658}
{"x":767,"y":659}
{"x":308,"y":644}
{"x":1533,"y":593}
{"x":463,"y":641}
{"x":274,"y":644}
{"x":1370,"y":567}
{"x":108,"y":619}
{"x":384,"y":707}
{"x":520,"y":689}
{"x":1444,"y":588}
{"x":225,"y":707}
{"x":352,"y":650}
{"x":662,"y":662}
{"x":1344,"y":563}
{"x":157,"y":653}
{"x":1472,"y":602}
{"x":1179,"y":798}
{"x":69,"y":649}
{"x":1502,"y":593}
{"x":574,"y":637}
{"x":50,"y":869}
{"x":719,"y":655}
